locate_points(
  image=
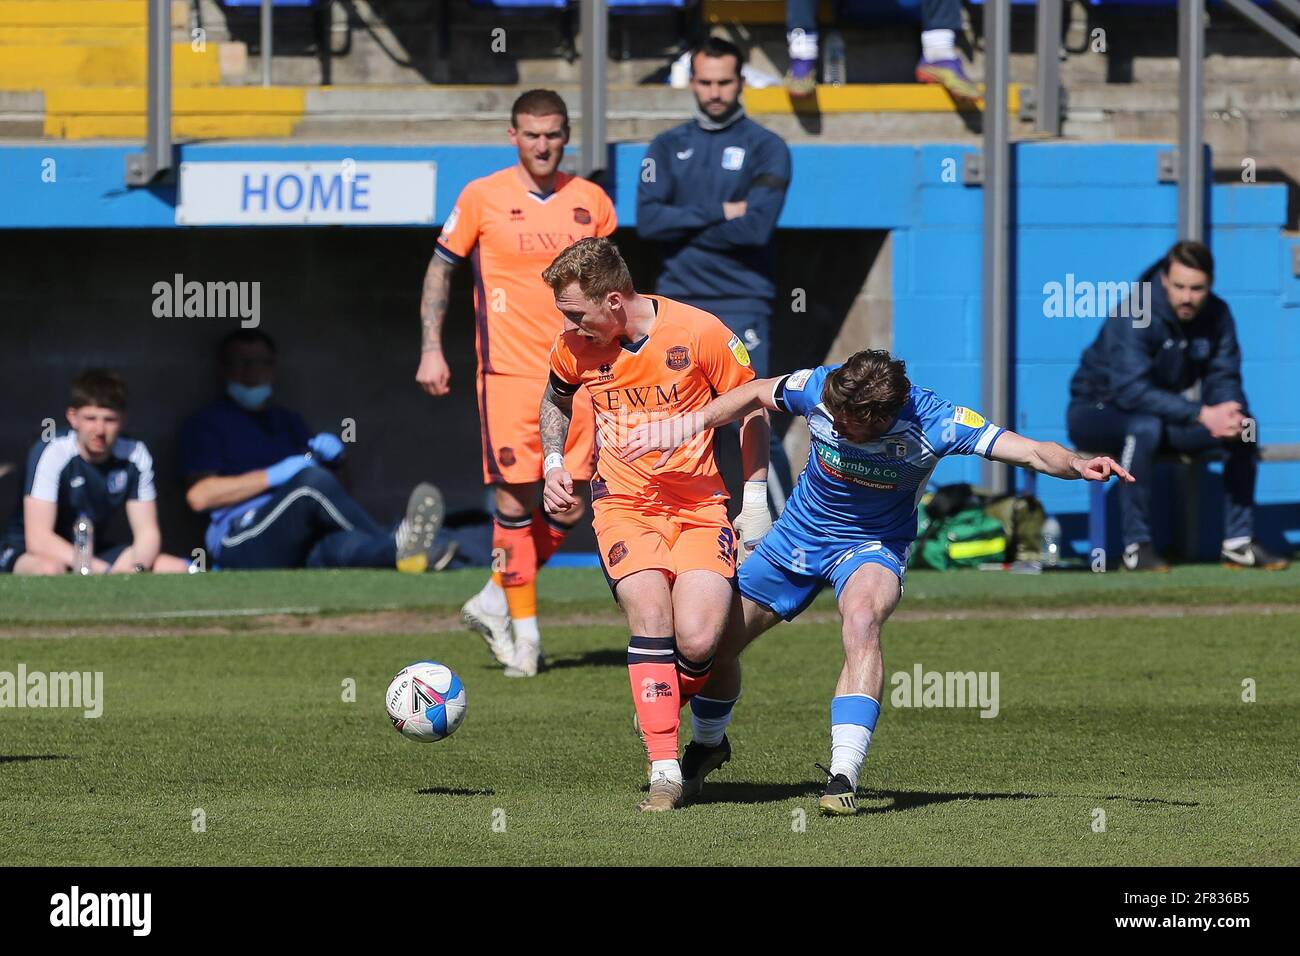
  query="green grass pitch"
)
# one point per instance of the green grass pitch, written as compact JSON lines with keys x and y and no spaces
{"x":1119,"y":695}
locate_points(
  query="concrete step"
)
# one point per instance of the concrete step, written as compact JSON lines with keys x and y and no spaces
{"x":37,"y":67}
{"x":197,"y":112}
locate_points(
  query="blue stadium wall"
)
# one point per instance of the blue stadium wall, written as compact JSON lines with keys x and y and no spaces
{"x":1096,"y":211}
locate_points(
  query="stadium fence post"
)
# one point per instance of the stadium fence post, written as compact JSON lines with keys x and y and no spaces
{"x":996,"y":331}
{"x":595,"y":57}
{"x":144,"y":168}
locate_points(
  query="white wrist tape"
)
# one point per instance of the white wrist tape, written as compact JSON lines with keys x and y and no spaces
{"x":553,"y":460}
{"x":755,"y":495}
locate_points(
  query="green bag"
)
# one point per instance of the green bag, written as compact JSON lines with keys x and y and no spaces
{"x":965,"y":540}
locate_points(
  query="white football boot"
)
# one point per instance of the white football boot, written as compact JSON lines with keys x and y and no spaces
{"x":493,"y":628}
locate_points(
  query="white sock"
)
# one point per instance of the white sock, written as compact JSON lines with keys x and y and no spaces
{"x":849,"y":743}
{"x":938,"y":45}
{"x":709,"y":731}
{"x":667,"y":768}
{"x":493,"y":598}
{"x":526,"y":632}
{"x":1233,"y":544}
{"x":803,"y":45}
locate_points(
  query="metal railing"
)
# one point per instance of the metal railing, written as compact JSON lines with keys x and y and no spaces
{"x":143,"y":168}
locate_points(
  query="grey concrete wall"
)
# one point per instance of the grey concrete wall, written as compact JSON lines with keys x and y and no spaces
{"x":342,"y":304}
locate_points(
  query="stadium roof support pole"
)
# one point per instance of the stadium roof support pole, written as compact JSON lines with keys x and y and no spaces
{"x":1191,"y":168}
{"x":595,"y":57}
{"x":266,"y":42}
{"x":144,"y":168}
{"x":1047,"y":67}
{"x":996,"y":354}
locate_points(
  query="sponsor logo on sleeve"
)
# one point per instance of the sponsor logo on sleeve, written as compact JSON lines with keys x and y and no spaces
{"x":581,"y":216}
{"x":798,"y":380}
{"x":968,"y":417}
{"x":450,"y":225}
{"x":739,"y":351}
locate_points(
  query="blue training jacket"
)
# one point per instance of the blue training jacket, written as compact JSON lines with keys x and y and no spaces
{"x":1145,"y":370}
{"x":688,"y":174}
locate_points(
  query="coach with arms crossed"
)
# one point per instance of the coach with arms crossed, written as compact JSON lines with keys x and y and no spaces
{"x":711,"y":192}
{"x":1128,"y":394}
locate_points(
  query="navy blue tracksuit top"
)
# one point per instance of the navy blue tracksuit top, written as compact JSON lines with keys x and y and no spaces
{"x":1145,"y":370}
{"x":691,"y":172}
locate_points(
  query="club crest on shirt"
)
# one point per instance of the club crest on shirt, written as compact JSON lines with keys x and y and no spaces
{"x":677,"y":358}
{"x":738,"y":349}
{"x":896,"y":448}
{"x":116,"y":481}
{"x":733,"y":157}
{"x":581,"y":216}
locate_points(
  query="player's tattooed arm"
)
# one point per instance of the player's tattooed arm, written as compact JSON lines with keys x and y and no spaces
{"x":1049,"y":458}
{"x":434,"y":375}
{"x":433,"y":303}
{"x":554,"y":416}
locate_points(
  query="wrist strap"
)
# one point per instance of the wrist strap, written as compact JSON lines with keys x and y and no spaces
{"x":755,"y":494}
{"x":553,"y":460}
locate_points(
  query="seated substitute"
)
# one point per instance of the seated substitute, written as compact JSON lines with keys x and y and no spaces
{"x":1127,"y":396}
{"x":253,"y":467}
{"x":89,"y":470}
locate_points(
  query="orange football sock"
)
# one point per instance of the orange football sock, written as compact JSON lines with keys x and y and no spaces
{"x":692,"y":676}
{"x":515,"y":558}
{"x":655,"y":694}
{"x":522,"y":600}
{"x":548,"y":534}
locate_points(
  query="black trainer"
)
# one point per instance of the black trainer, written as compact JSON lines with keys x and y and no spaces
{"x":839,"y":798}
{"x":698,"y":762}
{"x":1143,"y":557}
{"x":1252,"y":555}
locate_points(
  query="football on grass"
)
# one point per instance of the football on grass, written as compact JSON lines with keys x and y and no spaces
{"x":426,"y":701}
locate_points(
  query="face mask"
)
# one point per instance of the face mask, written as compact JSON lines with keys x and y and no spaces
{"x":248,"y":397}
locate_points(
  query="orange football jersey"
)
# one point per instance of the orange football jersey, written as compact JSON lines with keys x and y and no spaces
{"x":510,"y":234}
{"x":687,"y":360}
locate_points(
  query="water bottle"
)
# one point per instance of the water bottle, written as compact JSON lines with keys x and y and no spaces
{"x":1051,"y":542}
{"x":679,"y":74}
{"x":83,"y":545}
{"x":835,"y":69}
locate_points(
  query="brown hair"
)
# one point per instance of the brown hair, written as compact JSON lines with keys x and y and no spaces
{"x":595,"y":264}
{"x":539,"y":103}
{"x":1190,"y":253}
{"x":870,"y":389}
{"x":101,"y":387}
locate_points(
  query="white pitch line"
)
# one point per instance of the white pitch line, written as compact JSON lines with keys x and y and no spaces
{"x":216,"y":612}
